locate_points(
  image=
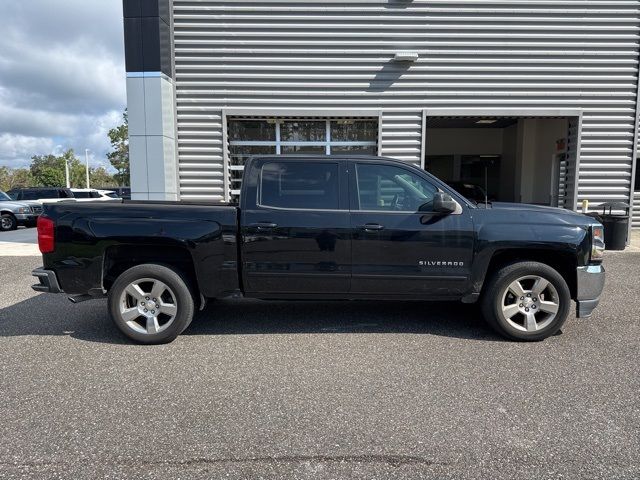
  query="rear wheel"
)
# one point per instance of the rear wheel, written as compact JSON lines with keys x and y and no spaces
{"x":8,"y":222}
{"x":151,"y":303}
{"x":526,"y":301}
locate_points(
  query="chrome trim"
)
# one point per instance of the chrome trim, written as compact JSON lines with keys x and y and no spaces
{"x":266,"y":207}
{"x":590,"y":282}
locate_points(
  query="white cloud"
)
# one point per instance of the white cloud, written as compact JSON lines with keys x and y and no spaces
{"x":62,"y":77}
{"x":16,"y":150}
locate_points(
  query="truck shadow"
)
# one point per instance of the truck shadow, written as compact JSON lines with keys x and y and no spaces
{"x":241,"y":317}
{"x":54,"y":315}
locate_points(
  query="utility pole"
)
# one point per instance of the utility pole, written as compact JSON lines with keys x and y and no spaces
{"x":86,"y":160}
{"x":66,"y":172}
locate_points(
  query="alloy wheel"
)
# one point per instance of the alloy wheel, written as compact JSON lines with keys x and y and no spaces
{"x":530,"y":303}
{"x":148,"y":306}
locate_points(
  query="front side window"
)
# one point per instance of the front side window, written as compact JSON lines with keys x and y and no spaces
{"x":299,"y":185}
{"x":393,"y":189}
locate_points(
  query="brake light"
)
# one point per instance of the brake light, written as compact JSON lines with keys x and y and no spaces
{"x":46,"y":239}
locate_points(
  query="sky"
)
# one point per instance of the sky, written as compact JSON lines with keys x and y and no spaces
{"x":62,"y":78}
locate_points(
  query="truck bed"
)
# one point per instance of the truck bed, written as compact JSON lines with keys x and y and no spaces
{"x":92,"y":237}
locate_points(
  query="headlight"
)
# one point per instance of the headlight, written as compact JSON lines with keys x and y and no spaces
{"x":24,"y":210}
{"x":597,"y":243}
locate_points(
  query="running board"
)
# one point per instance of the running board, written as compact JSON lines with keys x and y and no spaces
{"x":80,"y":298}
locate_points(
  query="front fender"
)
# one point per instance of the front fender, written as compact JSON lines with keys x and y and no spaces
{"x":526,"y":240}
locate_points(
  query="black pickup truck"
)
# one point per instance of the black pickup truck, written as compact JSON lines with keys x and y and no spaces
{"x":339,"y":228}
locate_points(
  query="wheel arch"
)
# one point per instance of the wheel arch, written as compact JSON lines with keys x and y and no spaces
{"x":119,"y":258}
{"x":563,"y":262}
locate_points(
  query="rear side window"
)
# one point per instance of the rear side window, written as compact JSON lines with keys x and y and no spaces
{"x":81,"y":194}
{"x":47,"y":194}
{"x":307,"y":185}
{"x":31,"y":195}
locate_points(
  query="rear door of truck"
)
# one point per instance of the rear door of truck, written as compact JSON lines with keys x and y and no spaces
{"x":295,"y":227}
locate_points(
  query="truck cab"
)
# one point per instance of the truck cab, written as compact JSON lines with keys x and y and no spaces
{"x":366,"y":226}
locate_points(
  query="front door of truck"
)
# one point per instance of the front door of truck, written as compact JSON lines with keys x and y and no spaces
{"x":296,"y":234}
{"x":397,"y":249}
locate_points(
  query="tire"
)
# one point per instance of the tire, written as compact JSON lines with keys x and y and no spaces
{"x":8,"y":222}
{"x":542,"y":294}
{"x":151,"y":303}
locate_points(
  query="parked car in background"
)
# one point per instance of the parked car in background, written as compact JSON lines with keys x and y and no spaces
{"x":471,"y":191}
{"x":92,"y":194}
{"x":14,"y":214}
{"x":122,"y":192}
{"x":109,"y":193}
{"x":41,"y":194}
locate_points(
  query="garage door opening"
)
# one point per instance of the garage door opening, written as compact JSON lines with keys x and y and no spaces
{"x":507,"y":159}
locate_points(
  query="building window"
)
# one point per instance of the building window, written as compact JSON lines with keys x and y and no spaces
{"x":267,"y":136}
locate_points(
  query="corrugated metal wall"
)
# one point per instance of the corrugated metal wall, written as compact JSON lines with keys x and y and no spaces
{"x":473,"y":54}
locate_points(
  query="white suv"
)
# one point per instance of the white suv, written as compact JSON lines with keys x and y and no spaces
{"x":92,"y":194}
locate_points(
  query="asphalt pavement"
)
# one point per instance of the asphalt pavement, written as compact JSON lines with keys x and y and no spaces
{"x":20,"y":242}
{"x":317,"y":390}
{"x":20,"y":235}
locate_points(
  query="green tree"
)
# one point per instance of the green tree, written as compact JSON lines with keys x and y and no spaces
{"x":49,"y":170}
{"x":14,"y":178}
{"x":119,"y":155}
{"x":99,"y":178}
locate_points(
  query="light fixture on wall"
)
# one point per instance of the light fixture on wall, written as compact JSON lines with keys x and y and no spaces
{"x":405,"y":56}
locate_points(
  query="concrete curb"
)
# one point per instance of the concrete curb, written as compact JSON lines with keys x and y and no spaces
{"x":14,"y":249}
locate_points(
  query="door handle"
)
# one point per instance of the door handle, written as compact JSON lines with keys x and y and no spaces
{"x":372,"y":227}
{"x":263,"y":225}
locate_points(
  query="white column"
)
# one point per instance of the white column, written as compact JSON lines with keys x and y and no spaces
{"x":152,"y":142}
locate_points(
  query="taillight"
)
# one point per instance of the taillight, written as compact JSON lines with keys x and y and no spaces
{"x":46,"y":240}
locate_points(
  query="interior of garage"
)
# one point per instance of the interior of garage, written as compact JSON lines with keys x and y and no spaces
{"x":513,"y":159}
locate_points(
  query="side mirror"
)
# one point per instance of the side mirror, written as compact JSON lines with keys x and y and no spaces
{"x":444,"y":203}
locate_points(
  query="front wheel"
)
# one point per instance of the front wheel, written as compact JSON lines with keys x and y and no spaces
{"x":526,"y":301}
{"x":8,"y":222}
{"x":151,"y":304}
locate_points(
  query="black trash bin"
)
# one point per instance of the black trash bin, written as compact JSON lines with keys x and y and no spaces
{"x":616,"y":226}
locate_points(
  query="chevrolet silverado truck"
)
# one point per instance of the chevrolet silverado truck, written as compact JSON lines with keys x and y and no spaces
{"x":324,"y":228}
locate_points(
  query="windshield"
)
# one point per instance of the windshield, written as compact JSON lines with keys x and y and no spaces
{"x":4,"y":196}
